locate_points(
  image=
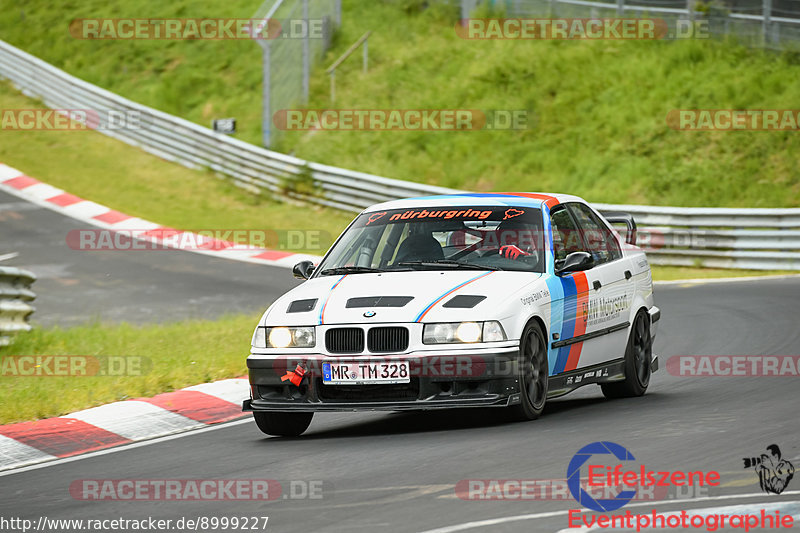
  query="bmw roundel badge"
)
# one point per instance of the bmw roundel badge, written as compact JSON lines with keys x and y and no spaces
{"x":369,"y":314}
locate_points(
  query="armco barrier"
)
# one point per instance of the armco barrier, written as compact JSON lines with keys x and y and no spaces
{"x":713,"y":237}
{"x":179,"y":140}
{"x":15,"y":298}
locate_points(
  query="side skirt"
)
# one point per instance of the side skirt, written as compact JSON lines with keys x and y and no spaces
{"x":566,"y":382}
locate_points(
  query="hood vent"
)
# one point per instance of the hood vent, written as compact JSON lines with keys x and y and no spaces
{"x":378,"y":301}
{"x":464,"y":301}
{"x":301,"y":306}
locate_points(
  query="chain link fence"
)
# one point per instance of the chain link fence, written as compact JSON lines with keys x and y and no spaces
{"x":772,"y":24}
{"x":306,"y":29}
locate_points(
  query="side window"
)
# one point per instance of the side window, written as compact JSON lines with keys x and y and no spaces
{"x":566,"y":238}
{"x":599,"y":240}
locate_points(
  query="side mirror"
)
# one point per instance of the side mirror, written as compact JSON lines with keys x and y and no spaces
{"x":303,"y":269}
{"x":615,"y":217}
{"x":574,"y":262}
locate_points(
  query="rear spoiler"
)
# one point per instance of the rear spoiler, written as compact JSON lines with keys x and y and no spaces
{"x":618,"y":217}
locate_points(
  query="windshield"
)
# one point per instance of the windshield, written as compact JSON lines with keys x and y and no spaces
{"x":441,"y":238}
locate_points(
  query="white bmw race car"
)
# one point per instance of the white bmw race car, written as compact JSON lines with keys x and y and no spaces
{"x":468,"y":300}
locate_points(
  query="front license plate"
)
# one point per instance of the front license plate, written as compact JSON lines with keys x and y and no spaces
{"x":365,"y":373}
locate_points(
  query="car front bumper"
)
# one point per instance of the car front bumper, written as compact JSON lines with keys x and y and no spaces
{"x":438,"y":380}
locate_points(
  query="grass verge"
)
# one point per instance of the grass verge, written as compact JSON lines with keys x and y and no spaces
{"x":597,"y":108}
{"x":172,"y":356}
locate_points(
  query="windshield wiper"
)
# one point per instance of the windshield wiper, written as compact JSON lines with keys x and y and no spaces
{"x":448,"y":262}
{"x":349,"y":270}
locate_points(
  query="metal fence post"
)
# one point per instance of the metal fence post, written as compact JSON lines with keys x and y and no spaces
{"x":306,"y":51}
{"x":266,"y":115}
{"x":690,"y":9}
{"x":620,"y":8}
{"x":366,"y":54}
{"x":338,"y":12}
{"x":332,"y":69}
{"x":765,"y":19}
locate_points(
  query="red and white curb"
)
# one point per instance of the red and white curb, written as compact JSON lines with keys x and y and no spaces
{"x":119,"y":423}
{"x":15,"y":182}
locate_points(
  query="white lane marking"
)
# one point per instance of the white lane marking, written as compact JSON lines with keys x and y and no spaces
{"x":230,"y":390}
{"x":131,"y":224}
{"x":518,"y":518}
{"x":8,"y":173}
{"x":290,"y":260}
{"x":135,"y":420}
{"x":125,"y":447}
{"x":85,"y":209}
{"x":6,"y":257}
{"x":43,"y":191}
{"x":701,"y":281}
{"x":14,"y":453}
{"x":705,"y":511}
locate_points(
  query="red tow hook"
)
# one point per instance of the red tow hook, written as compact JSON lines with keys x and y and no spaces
{"x":296,"y":376}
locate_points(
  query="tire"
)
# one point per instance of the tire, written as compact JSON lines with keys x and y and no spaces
{"x":283,"y":424}
{"x":638,"y":361}
{"x":533,"y":373}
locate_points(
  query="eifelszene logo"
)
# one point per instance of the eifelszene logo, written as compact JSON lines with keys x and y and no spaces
{"x":602,"y":475}
{"x":574,"y":476}
{"x":774,"y":473}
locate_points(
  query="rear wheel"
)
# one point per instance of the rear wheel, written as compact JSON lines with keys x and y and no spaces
{"x":638,"y":358}
{"x":283,"y":424}
{"x":533,"y":373}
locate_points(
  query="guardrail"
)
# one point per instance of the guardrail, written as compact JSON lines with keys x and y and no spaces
{"x":15,"y":298}
{"x":714,"y":237}
{"x":179,"y":140}
{"x":759,"y":239}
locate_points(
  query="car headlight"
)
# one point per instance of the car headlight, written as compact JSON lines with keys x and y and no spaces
{"x":493,"y":331}
{"x":462,"y":332}
{"x":259,"y":338}
{"x":284,"y":337}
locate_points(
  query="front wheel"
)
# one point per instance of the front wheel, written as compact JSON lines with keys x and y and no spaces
{"x":533,"y":373}
{"x":638,"y":359}
{"x":283,"y":424}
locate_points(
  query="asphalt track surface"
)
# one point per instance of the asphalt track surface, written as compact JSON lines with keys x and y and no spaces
{"x":398,"y":472}
{"x":136,"y":286}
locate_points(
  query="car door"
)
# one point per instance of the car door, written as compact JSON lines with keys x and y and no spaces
{"x":606,"y":308}
{"x":568,"y":314}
